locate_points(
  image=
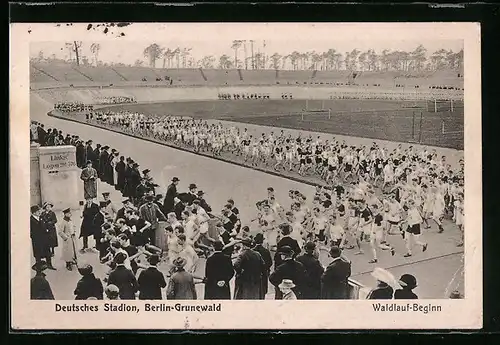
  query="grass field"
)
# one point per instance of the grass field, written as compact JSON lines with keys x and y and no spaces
{"x":403,"y":121}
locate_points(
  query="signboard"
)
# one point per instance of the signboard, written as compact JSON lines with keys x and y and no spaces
{"x":59,"y":176}
{"x":35,"y":193}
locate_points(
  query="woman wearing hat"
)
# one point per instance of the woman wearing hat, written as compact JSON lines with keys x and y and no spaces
{"x":181,"y":285}
{"x":39,"y":286}
{"x":383,"y":290}
{"x":50,"y":219}
{"x":408,"y":283}
{"x":88,"y":286}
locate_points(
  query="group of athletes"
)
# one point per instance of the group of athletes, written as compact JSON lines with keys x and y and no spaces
{"x":372,"y":192}
{"x":68,"y":107}
{"x":116,"y":100}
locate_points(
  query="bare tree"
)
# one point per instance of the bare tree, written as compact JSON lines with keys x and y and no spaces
{"x":275,"y":61}
{"x":236,"y":45}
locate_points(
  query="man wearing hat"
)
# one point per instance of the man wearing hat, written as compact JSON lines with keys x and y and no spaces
{"x":201,"y":196}
{"x":170,"y":195}
{"x":97,"y":155}
{"x":88,"y":286}
{"x":181,"y":285}
{"x":192,"y":194}
{"x":110,"y":209}
{"x":135,"y":180}
{"x":80,"y":154}
{"x":289,"y":269}
{"x":334,"y":282}
{"x":285,"y":240}
{"x":218,"y":272}
{"x":141,"y":191}
{"x":103,"y":162}
{"x":151,"y":213}
{"x":40,"y":238}
{"x":120,"y":174}
{"x":99,"y":220}
{"x":50,"y":219}
{"x":123,"y":277}
{"x":151,"y":280}
{"x":408,"y":283}
{"x":67,"y":233}
{"x":314,"y":271}
{"x":268,"y":262}
{"x":249,"y":267}
{"x":39,"y":286}
{"x":89,"y":178}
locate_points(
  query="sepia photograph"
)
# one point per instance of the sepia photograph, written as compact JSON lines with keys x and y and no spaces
{"x":240,"y":164}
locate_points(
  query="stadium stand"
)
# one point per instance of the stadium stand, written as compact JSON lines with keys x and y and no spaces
{"x":222,"y":76}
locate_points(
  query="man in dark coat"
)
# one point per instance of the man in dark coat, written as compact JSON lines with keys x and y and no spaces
{"x":109,"y":174}
{"x":135,"y":180}
{"x":89,"y":152}
{"x":123,"y":278}
{"x":39,"y":286}
{"x":96,"y":155}
{"x":128,"y":190}
{"x":285,"y":240}
{"x":170,"y":195}
{"x":289,"y":269}
{"x":218,"y":272}
{"x":120,"y":173}
{"x":40,"y":240}
{"x":80,"y":155}
{"x":151,"y":281}
{"x":249,"y":267}
{"x":192,"y":195}
{"x":103,"y":163}
{"x":42,"y":135}
{"x":98,"y":221}
{"x":314,"y":271}
{"x":334,"y":282}
{"x":203,"y":203}
{"x":90,"y":209}
{"x":89,"y":285}
{"x":266,"y":256}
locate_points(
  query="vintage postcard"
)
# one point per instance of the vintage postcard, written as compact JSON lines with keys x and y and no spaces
{"x":245,"y":176}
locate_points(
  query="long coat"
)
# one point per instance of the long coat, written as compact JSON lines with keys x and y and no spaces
{"x":168,"y":202}
{"x":87,"y":227}
{"x":249,"y":267}
{"x":88,"y":286}
{"x":181,"y":286}
{"x":218,"y":268}
{"x":128,"y":188}
{"x":67,"y":233}
{"x":39,"y":238}
{"x":40,"y":288}
{"x":50,"y":220}
{"x":80,"y":155}
{"x":151,"y":281}
{"x":268,"y":261}
{"x":125,"y":280}
{"x":285,"y":241}
{"x":120,"y":172}
{"x":334,"y":282}
{"x":314,"y":271}
{"x":103,"y":161}
{"x":290,"y":269}
{"x":89,"y":177}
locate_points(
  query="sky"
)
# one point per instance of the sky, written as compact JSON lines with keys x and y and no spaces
{"x":215,"y":39}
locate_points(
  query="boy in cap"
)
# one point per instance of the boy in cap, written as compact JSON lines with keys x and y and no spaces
{"x":286,"y":287}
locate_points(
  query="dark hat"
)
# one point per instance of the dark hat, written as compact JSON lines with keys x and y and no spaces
{"x":135,"y":165}
{"x":34,"y":208}
{"x":45,"y":204}
{"x":105,"y":194}
{"x":408,"y":280}
{"x":85,"y":269}
{"x":105,"y":147}
{"x":310,"y":247}
{"x":286,"y":250}
{"x":158,"y":196}
{"x":154,"y":259}
{"x":103,"y":204}
{"x":145,"y":171}
{"x":68,"y":210}
{"x":259,"y":238}
{"x":175,"y":179}
{"x":113,"y":150}
{"x":200,"y":193}
{"x":125,"y":201}
{"x":218,"y":245}
{"x":247,"y":242}
{"x":192,"y":186}
{"x":89,"y":162}
{"x":40,"y":266}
